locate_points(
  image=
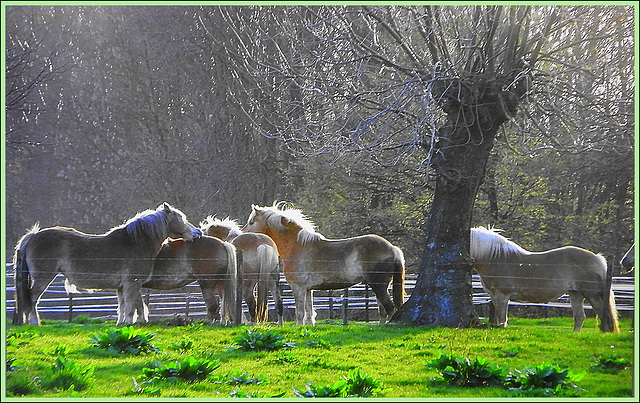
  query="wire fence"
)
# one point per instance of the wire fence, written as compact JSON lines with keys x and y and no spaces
{"x":356,"y":303}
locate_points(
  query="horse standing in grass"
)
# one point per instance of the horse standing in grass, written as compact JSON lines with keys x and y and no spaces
{"x":207,"y":260}
{"x":261,"y":266}
{"x":120,"y":259}
{"x":312,"y":262}
{"x":509,"y":272}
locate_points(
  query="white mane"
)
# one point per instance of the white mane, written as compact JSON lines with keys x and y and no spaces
{"x":273,"y":218}
{"x":228,"y":223}
{"x":488,"y":244}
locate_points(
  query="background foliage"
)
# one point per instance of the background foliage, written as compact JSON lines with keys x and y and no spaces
{"x":113,"y":110}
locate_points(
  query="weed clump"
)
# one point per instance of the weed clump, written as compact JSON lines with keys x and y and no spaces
{"x":125,"y":340}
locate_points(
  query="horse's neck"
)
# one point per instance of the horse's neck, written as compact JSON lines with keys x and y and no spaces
{"x":287,"y":243}
{"x":142,"y":242}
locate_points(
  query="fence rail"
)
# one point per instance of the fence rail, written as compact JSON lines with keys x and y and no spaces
{"x":359,"y":304}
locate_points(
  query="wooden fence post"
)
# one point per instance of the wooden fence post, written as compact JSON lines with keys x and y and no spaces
{"x":330,"y":307}
{"x":186,"y":305}
{"x":345,"y":306}
{"x":240,"y":272}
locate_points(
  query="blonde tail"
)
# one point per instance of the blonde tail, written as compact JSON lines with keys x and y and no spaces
{"x":268,"y":258}
{"x":229,"y":297}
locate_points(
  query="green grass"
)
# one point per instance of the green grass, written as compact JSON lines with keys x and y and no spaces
{"x":323,"y":355}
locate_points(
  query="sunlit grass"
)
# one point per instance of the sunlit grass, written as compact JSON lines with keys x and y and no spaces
{"x":396,"y":355}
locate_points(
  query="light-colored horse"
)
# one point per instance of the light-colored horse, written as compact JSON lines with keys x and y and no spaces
{"x":261,"y":266}
{"x":207,"y":260}
{"x":120,"y":259}
{"x":509,"y":272}
{"x":628,"y":261}
{"x":312,"y":262}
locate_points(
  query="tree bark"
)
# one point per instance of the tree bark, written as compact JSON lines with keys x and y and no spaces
{"x":443,"y":295}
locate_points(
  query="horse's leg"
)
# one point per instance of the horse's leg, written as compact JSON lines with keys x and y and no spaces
{"x":492,"y":313}
{"x":277,"y":299}
{"x":141,"y":310}
{"x":577,"y":306}
{"x":130,"y":295}
{"x":299,"y":296}
{"x":385,"y":305}
{"x":210,"y":297}
{"x":250,"y":298}
{"x":309,"y":312}
{"x":501,"y":305}
{"x":37,"y":288}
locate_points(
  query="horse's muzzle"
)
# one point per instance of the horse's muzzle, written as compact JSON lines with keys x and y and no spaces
{"x":196,"y":233}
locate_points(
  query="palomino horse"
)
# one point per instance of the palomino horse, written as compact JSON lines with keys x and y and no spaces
{"x":207,"y":260}
{"x":261,"y":266}
{"x":312,"y":262}
{"x":120,"y":259}
{"x":509,"y":272}
{"x":628,"y":260}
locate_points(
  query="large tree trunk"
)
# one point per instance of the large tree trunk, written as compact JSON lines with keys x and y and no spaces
{"x":443,"y":295}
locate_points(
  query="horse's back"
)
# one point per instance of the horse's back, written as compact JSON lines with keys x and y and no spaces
{"x":251,"y":240}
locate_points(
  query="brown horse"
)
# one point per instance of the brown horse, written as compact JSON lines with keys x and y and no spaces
{"x":509,"y":272}
{"x":261,"y":266}
{"x":120,"y":259}
{"x":312,"y":262}
{"x":207,"y":260}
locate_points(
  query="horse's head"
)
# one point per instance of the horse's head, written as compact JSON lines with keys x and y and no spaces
{"x":177,"y":224}
{"x":279,"y":221}
{"x":257,"y":221}
{"x":628,"y":260}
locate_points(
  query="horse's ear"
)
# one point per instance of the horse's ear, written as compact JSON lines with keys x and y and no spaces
{"x":256,"y":209}
{"x":166,"y":207}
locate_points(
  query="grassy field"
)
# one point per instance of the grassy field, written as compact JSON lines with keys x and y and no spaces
{"x":394,"y":356}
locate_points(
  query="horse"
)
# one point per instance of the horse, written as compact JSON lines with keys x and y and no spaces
{"x":207,"y":260}
{"x":628,"y":260}
{"x":509,"y":272}
{"x":120,"y":259}
{"x":261,"y":266}
{"x":313,"y":262}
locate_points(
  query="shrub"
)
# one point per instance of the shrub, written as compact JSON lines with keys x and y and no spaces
{"x":190,"y":370}
{"x":355,"y":384}
{"x":543,"y":380}
{"x":252,"y":341}
{"x":611,"y":364}
{"x":65,"y":374}
{"x":464,"y":372}
{"x":184,"y":345}
{"x":124,"y":340}
{"x":545,"y":377}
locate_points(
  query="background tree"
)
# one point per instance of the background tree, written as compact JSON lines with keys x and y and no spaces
{"x":444,"y":79}
{"x":371,"y":119}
